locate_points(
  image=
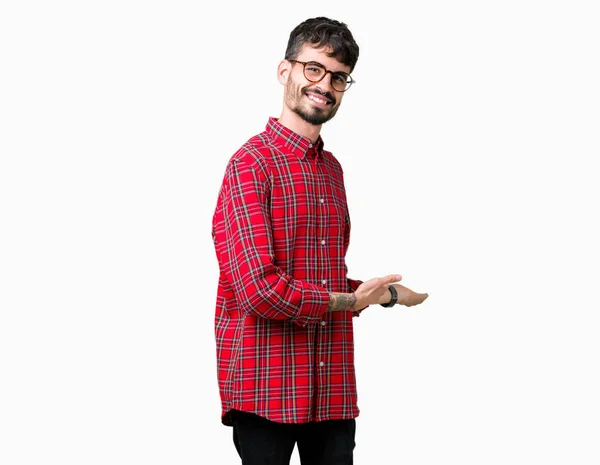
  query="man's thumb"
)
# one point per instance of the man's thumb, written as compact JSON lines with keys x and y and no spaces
{"x":392,"y":278}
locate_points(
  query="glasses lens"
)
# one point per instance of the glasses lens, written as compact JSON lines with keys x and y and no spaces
{"x":314,"y":71}
{"x":341,"y":81}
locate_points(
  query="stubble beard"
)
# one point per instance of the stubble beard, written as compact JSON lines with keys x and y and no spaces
{"x":313,"y":115}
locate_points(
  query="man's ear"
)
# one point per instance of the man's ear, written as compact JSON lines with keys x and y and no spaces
{"x":283,"y":71}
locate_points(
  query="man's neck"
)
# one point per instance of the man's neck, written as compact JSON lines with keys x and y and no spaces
{"x":294,"y":123}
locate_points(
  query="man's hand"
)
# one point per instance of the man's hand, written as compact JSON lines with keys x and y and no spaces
{"x":374,"y":291}
{"x":406,"y":296}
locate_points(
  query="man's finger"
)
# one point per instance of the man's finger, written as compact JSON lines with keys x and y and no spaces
{"x":422,"y":297}
{"x":392,"y":278}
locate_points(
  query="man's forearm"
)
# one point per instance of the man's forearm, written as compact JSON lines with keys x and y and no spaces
{"x":339,"y":301}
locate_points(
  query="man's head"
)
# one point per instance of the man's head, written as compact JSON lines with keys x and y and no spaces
{"x":324,"y":32}
{"x":321,"y":53}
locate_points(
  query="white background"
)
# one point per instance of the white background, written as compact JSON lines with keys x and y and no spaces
{"x":468,"y":145}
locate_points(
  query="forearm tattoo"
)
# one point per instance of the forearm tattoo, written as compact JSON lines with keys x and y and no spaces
{"x":341,"y":302}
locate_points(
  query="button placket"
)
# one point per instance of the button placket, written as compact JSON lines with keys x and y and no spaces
{"x":324,"y":263}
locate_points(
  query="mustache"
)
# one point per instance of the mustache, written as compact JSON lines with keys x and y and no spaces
{"x":327,"y":95}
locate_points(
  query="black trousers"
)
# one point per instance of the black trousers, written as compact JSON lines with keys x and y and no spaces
{"x":263,"y":442}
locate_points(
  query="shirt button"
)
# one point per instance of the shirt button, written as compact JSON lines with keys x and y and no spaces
{"x":310,"y":146}
{"x":323,"y":323}
{"x":321,"y":364}
{"x":324,"y":282}
{"x":323,"y":242}
{"x":322,"y":200}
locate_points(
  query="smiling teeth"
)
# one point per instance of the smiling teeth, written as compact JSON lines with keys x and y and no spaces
{"x":312,"y":97}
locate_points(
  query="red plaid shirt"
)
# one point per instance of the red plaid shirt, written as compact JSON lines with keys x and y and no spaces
{"x":281,"y":230}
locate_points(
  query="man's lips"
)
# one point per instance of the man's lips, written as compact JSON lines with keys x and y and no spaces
{"x":318,"y":99}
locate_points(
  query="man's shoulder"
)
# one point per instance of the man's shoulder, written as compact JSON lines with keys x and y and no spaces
{"x":259,"y":146}
{"x":256,"y":152}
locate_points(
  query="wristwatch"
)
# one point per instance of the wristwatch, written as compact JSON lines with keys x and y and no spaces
{"x":394,"y":300}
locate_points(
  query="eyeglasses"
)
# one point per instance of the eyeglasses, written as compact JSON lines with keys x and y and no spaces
{"x":315,"y":72}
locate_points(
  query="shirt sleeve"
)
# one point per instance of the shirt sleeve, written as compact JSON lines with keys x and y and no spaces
{"x":261,"y":288}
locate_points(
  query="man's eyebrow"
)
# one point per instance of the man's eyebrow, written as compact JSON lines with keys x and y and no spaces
{"x":320,"y":64}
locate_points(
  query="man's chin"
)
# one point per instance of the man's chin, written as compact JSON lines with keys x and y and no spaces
{"x":316,"y":117}
{"x":315,"y":120}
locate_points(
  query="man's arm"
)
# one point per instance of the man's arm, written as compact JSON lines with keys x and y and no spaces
{"x":339,"y":301}
{"x":375,"y":291}
{"x":261,"y":288}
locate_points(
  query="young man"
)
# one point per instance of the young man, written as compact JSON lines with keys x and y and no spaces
{"x":285,"y":306}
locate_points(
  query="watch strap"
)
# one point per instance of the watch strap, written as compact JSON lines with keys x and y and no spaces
{"x":394,"y":299}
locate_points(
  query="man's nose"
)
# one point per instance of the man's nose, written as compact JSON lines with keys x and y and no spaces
{"x":326,"y":84}
{"x":328,"y":79}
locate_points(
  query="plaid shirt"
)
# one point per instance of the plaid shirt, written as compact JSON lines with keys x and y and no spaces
{"x":281,"y":230}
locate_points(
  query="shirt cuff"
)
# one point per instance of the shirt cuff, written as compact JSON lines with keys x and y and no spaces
{"x":354,"y":283}
{"x":315,"y":301}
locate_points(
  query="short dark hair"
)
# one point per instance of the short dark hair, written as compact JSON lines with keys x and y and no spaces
{"x":324,"y":32}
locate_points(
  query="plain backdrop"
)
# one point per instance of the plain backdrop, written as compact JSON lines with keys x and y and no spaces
{"x":468,"y":143}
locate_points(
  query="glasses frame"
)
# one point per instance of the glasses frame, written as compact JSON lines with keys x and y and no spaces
{"x":304,"y":63}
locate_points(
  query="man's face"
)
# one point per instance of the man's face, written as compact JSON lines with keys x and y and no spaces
{"x":314,"y":102}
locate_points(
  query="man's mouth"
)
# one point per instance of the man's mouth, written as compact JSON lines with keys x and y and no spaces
{"x":319,"y":100}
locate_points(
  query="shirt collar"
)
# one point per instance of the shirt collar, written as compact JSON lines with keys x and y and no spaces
{"x":295,"y":143}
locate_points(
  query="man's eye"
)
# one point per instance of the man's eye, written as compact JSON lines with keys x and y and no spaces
{"x":314,"y":69}
{"x":339,"y":78}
